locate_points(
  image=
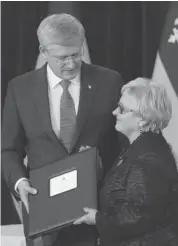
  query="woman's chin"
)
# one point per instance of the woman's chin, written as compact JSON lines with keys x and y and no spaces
{"x":118,"y":128}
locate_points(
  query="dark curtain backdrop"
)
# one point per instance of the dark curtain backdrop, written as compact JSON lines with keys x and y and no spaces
{"x":19,"y":41}
{"x":121,"y":35}
{"x":124,"y":35}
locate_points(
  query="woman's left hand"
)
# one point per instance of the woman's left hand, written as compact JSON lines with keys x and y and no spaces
{"x":88,"y":218}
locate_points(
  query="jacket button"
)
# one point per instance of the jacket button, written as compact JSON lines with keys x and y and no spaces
{"x":98,"y":241}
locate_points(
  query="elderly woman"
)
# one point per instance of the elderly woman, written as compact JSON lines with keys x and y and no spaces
{"x":139,"y":195}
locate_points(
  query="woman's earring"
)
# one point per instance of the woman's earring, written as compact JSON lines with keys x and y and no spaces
{"x":141,"y":126}
{"x":141,"y":131}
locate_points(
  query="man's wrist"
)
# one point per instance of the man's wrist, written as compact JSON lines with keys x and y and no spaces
{"x":17,"y":183}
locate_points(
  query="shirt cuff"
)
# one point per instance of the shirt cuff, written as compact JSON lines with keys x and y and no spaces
{"x":18,"y":181}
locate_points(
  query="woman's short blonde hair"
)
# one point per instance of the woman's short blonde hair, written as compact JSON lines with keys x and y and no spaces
{"x":153,"y":103}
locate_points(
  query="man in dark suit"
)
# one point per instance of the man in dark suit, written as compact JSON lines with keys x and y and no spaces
{"x":52,"y":112}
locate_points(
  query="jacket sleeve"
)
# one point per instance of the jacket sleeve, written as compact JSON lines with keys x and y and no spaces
{"x":140,"y":205}
{"x":13,"y":142}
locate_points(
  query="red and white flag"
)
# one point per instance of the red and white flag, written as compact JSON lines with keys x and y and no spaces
{"x":166,"y":71}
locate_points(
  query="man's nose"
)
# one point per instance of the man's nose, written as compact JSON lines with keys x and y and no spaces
{"x":70,"y":63}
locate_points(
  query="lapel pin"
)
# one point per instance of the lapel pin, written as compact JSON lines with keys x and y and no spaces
{"x":84,"y":147}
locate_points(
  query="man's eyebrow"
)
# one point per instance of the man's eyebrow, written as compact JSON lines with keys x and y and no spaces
{"x":64,"y":56}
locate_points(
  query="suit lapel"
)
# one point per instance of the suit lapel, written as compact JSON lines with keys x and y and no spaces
{"x":87,"y":92}
{"x":42,"y":104}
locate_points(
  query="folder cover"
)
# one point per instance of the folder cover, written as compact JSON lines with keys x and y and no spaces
{"x":64,"y":189}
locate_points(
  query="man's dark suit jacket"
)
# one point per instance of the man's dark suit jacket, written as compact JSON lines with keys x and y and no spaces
{"x":27,"y":128}
{"x":139,"y":197}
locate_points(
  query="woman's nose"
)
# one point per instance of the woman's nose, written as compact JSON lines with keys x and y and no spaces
{"x":115,"y":112}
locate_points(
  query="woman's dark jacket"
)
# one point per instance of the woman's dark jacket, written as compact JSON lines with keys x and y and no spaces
{"x":139,"y":197}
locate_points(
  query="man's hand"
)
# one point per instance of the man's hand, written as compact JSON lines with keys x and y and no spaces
{"x":89,"y":218}
{"x":24,"y":189}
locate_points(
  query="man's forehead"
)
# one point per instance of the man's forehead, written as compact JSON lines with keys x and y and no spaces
{"x":60,"y":49}
{"x":62,"y":40}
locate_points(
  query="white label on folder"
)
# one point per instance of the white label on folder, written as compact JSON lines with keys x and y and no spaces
{"x":63,"y":183}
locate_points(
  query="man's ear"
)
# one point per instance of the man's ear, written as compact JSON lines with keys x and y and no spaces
{"x":83,"y":49}
{"x":42,"y":50}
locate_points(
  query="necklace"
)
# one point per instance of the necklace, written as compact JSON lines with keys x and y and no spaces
{"x":122,"y":156}
{"x":123,"y":153}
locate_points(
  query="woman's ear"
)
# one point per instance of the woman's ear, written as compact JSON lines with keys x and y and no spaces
{"x":141,"y":125}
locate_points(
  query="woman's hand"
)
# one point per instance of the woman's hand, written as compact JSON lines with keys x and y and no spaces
{"x":88,"y":218}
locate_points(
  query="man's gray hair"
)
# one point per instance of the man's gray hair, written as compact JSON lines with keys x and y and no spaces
{"x":60,"y":29}
{"x":153,"y":103}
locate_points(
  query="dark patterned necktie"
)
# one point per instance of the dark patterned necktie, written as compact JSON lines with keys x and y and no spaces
{"x":67,"y":116}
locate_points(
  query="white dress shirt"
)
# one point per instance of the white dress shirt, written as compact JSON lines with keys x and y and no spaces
{"x":54,"y":93}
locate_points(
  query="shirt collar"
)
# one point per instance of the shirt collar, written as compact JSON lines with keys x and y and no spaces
{"x":53,"y":80}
